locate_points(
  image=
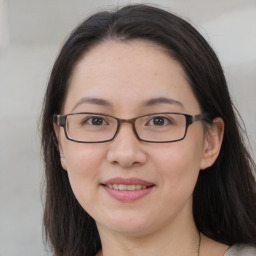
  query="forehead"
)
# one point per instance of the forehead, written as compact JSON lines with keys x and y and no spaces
{"x":127,"y":73}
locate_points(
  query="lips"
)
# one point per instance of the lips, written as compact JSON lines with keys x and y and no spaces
{"x":127,"y":190}
{"x":128,"y":181}
{"x":126,"y":187}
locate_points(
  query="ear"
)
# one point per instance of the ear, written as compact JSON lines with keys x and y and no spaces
{"x":59,"y":145}
{"x":212,"y":144}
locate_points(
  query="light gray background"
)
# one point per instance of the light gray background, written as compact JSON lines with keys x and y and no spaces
{"x":31,"y":32}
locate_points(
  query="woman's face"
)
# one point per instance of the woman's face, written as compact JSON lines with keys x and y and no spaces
{"x":129,"y":79}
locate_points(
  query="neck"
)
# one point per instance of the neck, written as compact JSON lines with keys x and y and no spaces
{"x":180,"y":241}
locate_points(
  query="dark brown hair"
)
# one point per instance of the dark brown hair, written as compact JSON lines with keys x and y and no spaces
{"x":224,"y":203}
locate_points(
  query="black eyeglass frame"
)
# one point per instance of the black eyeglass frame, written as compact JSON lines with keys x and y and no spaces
{"x":61,"y":121}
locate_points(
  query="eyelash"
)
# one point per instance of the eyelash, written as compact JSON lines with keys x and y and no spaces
{"x":163,"y":118}
{"x":89,"y":120}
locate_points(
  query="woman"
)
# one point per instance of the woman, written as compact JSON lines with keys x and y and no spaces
{"x":143,"y":152}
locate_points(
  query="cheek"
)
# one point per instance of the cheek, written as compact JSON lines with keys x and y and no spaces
{"x":82,"y":159}
{"x":83,"y":164}
{"x":178,"y":165}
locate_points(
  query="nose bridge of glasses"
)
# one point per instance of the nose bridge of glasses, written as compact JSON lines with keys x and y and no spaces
{"x":129,"y":121}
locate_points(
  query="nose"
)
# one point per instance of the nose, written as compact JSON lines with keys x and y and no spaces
{"x":126,"y":150}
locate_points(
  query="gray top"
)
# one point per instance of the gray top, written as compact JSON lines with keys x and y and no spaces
{"x":241,"y":250}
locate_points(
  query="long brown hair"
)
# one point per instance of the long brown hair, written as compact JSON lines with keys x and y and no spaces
{"x":224,"y":203}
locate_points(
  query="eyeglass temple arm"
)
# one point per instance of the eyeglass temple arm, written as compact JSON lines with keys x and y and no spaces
{"x":205,"y":116}
{"x":60,"y":120}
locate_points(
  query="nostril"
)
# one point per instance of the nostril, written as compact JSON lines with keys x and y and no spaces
{"x":126,"y":150}
{"x":125,"y":159}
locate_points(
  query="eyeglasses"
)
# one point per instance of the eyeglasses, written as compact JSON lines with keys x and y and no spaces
{"x":97,"y":128}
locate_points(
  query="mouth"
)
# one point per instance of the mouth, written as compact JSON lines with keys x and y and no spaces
{"x":124,"y":187}
{"x":127,"y":190}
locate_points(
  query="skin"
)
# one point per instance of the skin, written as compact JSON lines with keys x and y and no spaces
{"x":126,"y":75}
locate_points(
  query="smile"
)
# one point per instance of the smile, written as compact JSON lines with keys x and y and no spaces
{"x":127,"y":189}
{"x":123,"y":187}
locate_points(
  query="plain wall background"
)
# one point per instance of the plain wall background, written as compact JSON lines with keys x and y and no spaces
{"x":31,"y":32}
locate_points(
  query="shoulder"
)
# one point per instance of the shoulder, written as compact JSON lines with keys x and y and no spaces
{"x":241,"y":250}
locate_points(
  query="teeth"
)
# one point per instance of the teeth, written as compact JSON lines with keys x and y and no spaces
{"x":126,"y":187}
{"x":115,"y":186}
{"x":131,"y":187}
{"x":122,"y":187}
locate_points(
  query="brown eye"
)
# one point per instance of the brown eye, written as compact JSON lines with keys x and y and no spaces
{"x":95,"y":120}
{"x":159,"y":121}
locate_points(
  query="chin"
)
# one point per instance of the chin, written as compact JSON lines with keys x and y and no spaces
{"x":127,"y":224}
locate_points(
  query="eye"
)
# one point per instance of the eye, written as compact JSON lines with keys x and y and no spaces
{"x":95,"y":120}
{"x":159,"y":121}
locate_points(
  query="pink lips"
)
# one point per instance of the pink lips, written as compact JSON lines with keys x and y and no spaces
{"x":129,"y":181}
{"x":128,"y":193}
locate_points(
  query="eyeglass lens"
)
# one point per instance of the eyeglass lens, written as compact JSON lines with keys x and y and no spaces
{"x":155,"y":127}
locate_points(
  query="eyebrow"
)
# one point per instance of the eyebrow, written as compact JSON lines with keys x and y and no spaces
{"x":161,"y":100}
{"x":147,"y":103}
{"x":95,"y":101}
